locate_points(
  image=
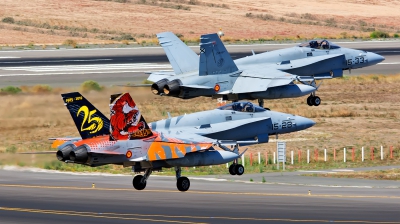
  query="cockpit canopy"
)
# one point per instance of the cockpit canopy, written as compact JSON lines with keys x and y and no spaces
{"x":319,"y":44}
{"x":242,"y":107}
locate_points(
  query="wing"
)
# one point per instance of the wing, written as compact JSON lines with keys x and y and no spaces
{"x":182,"y":58}
{"x":257,"y":80}
{"x":177,"y":144}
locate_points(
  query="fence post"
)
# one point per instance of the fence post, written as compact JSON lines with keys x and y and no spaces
{"x":259,"y":158}
{"x":316,"y":155}
{"x":266,"y":158}
{"x":353,"y":154}
{"x":291,"y":156}
{"x":274,"y":157}
{"x":299,"y":156}
{"x":325,"y":155}
{"x":308,"y":156}
{"x":362,"y":154}
{"x":391,"y":152}
{"x":334,"y":155}
{"x":251,"y":159}
{"x":381,"y":152}
{"x":372,"y":153}
{"x":344,"y":154}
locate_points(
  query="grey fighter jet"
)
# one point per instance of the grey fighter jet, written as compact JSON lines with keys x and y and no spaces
{"x":284,"y":73}
{"x":184,"y":141}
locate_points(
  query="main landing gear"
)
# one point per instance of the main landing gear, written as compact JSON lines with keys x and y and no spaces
{"x":139,"y":181}
{"x":261,"y":103}
{"x":182,"y":183}
{"x":313,"y":100}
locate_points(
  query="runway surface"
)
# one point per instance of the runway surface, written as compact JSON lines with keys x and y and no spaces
{"x":32,"y":197}
{"x":121,"y":66}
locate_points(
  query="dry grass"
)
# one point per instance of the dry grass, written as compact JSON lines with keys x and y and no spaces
{"x":392,"y":174}
{"x":45,"y":21}
{"x":355,"y":112}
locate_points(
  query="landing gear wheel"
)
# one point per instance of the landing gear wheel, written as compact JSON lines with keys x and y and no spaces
{"x":310,"y":100}
{"x":137,"y":184}
{"x":232,"y":169}
{"x":239,"y":169}
{"x":183,"y":183}
{"x":316,"y":101}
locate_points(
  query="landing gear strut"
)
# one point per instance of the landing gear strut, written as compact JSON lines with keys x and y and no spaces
{"x":261,"y":103}
{"x":182,"y":183}
{"x":313,"y":100}
{"x":234,"y":168}
{"x":139,"y":181}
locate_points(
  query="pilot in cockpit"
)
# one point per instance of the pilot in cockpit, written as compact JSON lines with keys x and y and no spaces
{"x":314,"y":44}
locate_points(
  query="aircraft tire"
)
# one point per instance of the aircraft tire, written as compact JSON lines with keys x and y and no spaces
{"x":232,"y":169}
{"x":316,"y":101}
{"x":183,"y":183}
{"x":310,"y":101}
{"x":137,"y":184}
{"x":239,"y":169}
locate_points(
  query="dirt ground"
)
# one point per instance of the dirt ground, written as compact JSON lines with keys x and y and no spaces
{"x":355,"y":112}
{"x":100,"y":21}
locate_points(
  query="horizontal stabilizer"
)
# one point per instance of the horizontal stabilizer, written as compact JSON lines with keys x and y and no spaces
{"x":182,"y":58}
{"x":157,"y":76}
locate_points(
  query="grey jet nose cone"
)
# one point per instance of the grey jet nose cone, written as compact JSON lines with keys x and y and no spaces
{"x":374,"y":59}
{"x":304,"y":123}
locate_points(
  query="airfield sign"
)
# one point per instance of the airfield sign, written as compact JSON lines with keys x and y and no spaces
{"x":281,"y":149}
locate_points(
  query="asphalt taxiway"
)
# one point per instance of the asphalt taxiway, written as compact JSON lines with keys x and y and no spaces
{"x":121,"y":66}
{"x":35,"y":197}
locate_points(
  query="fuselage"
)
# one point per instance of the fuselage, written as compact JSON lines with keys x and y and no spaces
{"x":319,"y":59}
{"x":239,"y":121}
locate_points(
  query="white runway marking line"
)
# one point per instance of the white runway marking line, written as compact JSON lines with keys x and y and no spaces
{"x":73,"y":73}
{"x":389,"y":63}
{"x":83,"y":69}
{"x":74,"y":60}
{"x":5,"y":57}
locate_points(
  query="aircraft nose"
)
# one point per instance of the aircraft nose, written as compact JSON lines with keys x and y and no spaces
{"x":304,"y":123}
{"x":373,"y":58}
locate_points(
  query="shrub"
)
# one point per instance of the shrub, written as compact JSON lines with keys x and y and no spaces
{"x":31,"y":45}
{"x":90,"y":85}
{"x":70,"y":42}
{"x":11,"y":90}
{"x":396,"y":35}
{"x":8,"y":20}
{"x":11,"y":149}
{"x":41,"y":88}
{"x":379,"y":34}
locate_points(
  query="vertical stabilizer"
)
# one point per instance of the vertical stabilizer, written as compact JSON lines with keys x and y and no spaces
{"x":126,"y":121}
{"x":89,"y":121}
{"x":182,"y":58}
{"x":214,"y":58}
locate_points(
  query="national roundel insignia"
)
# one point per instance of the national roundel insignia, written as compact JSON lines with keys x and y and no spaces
{"x":128,"y":154}
{"x":217,"y":88}
{"x":202,"y":50}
